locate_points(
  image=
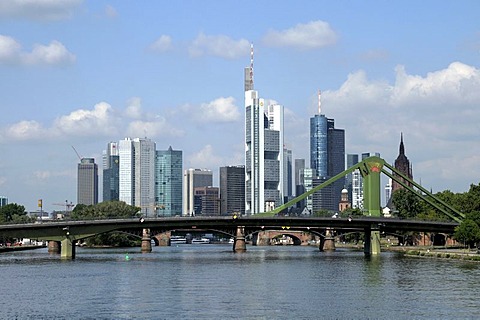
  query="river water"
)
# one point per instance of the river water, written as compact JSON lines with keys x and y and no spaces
{"x":212,"y":282}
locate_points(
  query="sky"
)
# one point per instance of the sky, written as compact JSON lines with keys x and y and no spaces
{"x":80,"y":74}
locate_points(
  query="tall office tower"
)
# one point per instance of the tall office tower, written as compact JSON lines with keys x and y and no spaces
{"x":327,"y":157}
{"x":137,"y":173}
{"x":232,"y":190}
{"x":309,"y":175}
{"x":3,"y":201}
{"x":194,"y":178}
{"x":352,"y":159}
{"x":87,"y":182}
{"x":111,"y":173}
{"x":287,"y":175}
{"x":355,"y":180}
{"x":168,"y":182}
{"x":388,"y":191}
{"x":299,"y":166}
{"x":206,"y":201}
{"x":402,"y":164}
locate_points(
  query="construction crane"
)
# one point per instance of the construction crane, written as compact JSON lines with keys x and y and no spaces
{"x":79,"y":157}
{"x":68,"y":206}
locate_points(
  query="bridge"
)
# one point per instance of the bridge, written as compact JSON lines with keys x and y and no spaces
{"x":372,"y":223}
{"x":69,"y":232}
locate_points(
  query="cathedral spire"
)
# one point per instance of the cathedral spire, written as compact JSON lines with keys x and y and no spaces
{"x":402,"y":147}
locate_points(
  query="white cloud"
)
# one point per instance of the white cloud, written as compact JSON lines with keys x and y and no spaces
{"x":43,"y":10}
{"x":158,"y":127}
{"x":23,"y":131}
{"x":220,"y":46}
{"x":134,"y":108}
{"x":53,"y":54}
{"x":438,"y":114}
{"x":315,"y":34}
{"x":162,"y":44}
{"x":219,"y":110}
{"x":205,"y":159}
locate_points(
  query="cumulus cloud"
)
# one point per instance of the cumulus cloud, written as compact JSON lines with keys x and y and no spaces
{"x":53,"y":54}
{"x":38,"y":10}
{"x":162,"y":44}
{"x":23,"y":131}
{"x":134,"y":108}
{"x":315,"y":34}
{"x":219,"y":110}
{"x":157,"y":127}
{"x":219,"y":45}
{"x":205,"y":158}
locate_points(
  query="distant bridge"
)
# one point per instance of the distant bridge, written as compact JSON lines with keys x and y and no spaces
{"x":69,"y":232}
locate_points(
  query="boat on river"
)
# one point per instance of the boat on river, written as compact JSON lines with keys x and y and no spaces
{"x":200,"y":241}
{"x":177,"y":240}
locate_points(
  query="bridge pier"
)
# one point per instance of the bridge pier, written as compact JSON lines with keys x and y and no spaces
{"x":372,"y":241}
{"x":67,"y":249}
{"x":239,"y":244}
{"x":54,"y":247}
{"x":146,"y":241}
{"x":328,"y":243}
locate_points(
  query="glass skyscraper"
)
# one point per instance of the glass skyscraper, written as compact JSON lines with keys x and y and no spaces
{"x":111,"y":166}
{"x":168,"y":182}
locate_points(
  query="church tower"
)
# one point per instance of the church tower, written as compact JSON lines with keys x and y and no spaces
{"x":402,"y":164}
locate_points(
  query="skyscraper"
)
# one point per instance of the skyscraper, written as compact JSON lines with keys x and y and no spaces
{"x":287,"y":175}
{"x":194,"y":178}
{"x":87,"y":182}
{"x":232,"y":190}
{"x":111,"y":173}
{"x":263,"y":151}
{"x":206,"y":201}
{"x":354,"y":180}
{"x":137,"y":173}
{"x":168,"y":182}
{"x":327,"y":157}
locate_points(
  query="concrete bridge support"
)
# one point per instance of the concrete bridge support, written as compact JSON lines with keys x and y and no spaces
{"x":54,"y":247}
{"x":239,"y":244}
{"x":372,"y":241}
{"x":328,"y":241}
{"x":146,"y":241}
{"x":68,"y":249}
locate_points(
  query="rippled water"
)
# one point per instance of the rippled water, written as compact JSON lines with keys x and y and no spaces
{"x":212,"y":282}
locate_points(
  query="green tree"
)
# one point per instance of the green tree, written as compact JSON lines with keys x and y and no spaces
{"x":407,"y":204}
{"x":14,"y":213}
{"x":468,"y":232}
{"x":105,"y":210}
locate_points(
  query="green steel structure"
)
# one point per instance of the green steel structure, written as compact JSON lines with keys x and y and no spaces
{"x":370,"y":169}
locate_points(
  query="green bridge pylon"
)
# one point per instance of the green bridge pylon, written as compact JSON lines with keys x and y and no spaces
{"x":370,"y":169}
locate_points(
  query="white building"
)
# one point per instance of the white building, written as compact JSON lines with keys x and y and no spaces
{"x":194,"y":178}
{"x":137,"y":173}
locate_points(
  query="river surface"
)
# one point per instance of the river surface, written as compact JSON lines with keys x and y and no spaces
{"x":212,"y":282}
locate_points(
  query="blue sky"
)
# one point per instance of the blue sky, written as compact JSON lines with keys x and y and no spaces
{"x":83,"y":73}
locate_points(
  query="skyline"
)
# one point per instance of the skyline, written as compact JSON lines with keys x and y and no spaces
{"x":84,"y":73}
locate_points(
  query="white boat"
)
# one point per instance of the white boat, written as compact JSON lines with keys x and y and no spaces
{"x":231,"y":241}
{"x":200,"y":241}
{"x":177,"y":240}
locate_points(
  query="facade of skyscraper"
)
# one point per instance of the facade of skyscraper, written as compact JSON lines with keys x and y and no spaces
{"x":87,"y":182}
{"x":232,"y":190}
{"x":327,"y":157}
{"x":194,"y":178}
{"x":3,"y":201}
{"x":168,"y":182}
{"x":263,"y":154}
{"x":354,"y":180}
{"x":111,"y":172}
{"x":287,"y":175}
{"x":137,"y":173}
{"x":206,"y":201}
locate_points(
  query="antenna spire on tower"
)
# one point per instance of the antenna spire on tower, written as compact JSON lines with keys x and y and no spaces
{"x":251,"y":66}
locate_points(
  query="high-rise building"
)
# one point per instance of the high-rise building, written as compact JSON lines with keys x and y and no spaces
{"x":111,"y":172}
{"x":194,"y":178}
{"x":87,"y":182}
{"x":168,"y":182}
{"x":3,"y":201}
{"x":287,"y":175}
{"x":206,"y":201}
{"x":354,"y":180}
{"x":327,"y":157}
{"x":402,"y":164}
{"x":299,"y":187}
{"x":232,"y":190}
{"x":263,"y":150}
{"x":137,"y":173}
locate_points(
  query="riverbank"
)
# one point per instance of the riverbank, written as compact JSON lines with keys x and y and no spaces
{"x":20,"y":248}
